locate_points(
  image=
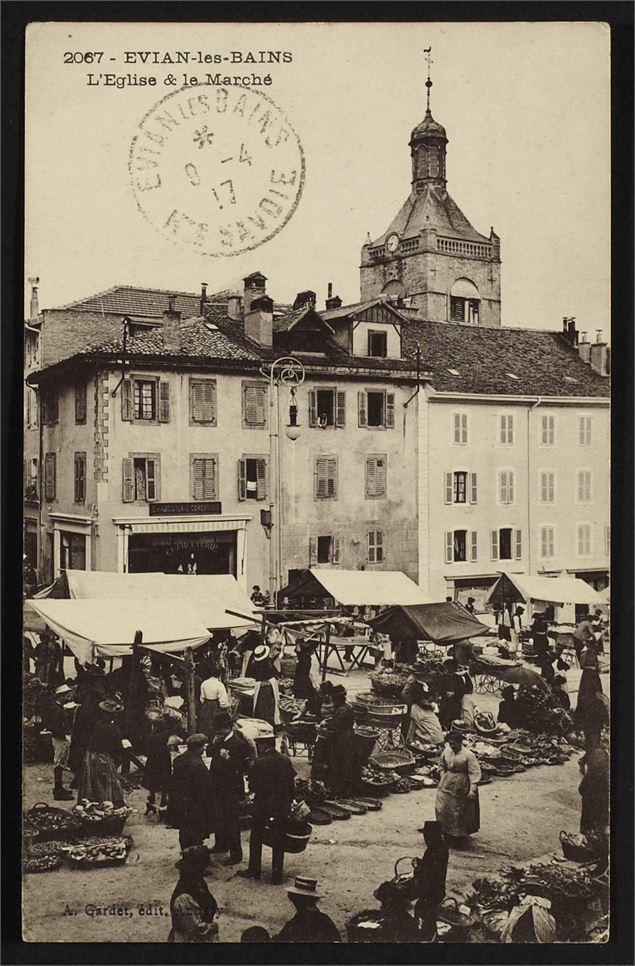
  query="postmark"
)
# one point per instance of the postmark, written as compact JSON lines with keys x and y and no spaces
{"x":219,"y":170}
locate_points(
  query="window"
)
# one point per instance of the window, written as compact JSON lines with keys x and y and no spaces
{"x":327,"y":407}
{"x":547,"y":431}
{"x":460,"y":543}
{"x":50,"y":476}
{"x":547,"y":542}
{"x":31,"y":490}
{"x":460,"y":487}
{"x":375,"y":546}
{"x":326,"y":478}
{"x":203,"y":402}
{"x":50,"y":407}
{"x":584,"y":539}
{"x":547,"y":486}
{"x":506,"y":544}
{"x":464,"y":310}
{"x":460,"y":428}
{"x":607,"y":541}
{"x":376,"y":467}
{"x":80,"y":478}
{"x":506,"y":486}
{"x":506,"y":434}
{"x":32,"y":414}
{"x":72,"y":551}
{"x":80,"y":403}
{"x":376,"y":409}
{"x":377,"y":343}
{"x":141,"y":477}
{"x":584,"y":430}
{"x":583,"y":486}
{"x":324,"y":549}
{"x":254,"y":402}
{"x":204,"y":476}
{"x":252,"y":478}
{"x":145,"y":400}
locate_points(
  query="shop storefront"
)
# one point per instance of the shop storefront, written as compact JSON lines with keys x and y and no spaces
{"x":598,"y":579}
{"x":461,"y":588}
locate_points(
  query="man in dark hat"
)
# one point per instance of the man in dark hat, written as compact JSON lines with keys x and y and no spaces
{"x":340,"y":733}
{"x":190,"y":794}
{"x":192,"y":906}
{"x":231,"y":754}
{"x":428,"y":883}
{"x":309,"y":925}
{"x":58,"y":722}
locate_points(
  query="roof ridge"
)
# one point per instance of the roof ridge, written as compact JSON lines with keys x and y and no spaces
{"x":135,"y":288}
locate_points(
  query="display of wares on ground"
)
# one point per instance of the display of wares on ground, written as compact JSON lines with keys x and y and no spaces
{"x":91,"y":850}
{"x":49,"y":822}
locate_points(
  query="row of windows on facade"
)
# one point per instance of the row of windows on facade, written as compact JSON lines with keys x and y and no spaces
{"x":506,"y":429}
{"x":461,"y":546}
{"x":148,"y":401}
{"x":141,"y":476}
{"x":462,"y":486}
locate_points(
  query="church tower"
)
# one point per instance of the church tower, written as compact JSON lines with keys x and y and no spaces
{"x":431,"y":257}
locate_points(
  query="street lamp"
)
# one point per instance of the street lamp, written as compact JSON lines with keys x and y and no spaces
{"x":285,"y":371}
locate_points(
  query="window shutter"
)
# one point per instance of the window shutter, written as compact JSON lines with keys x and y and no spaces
{"x":510,"y":487}
{"x":164,"y":402}
{"x":473,"y":488}
{"x":242,"y":479}
{"x":503,"y":429}
{"x":209,"y":479}
{"x":261,"y":479}
{"x":449,"y":488}
{"x":380,"y":483}
{"x":49,"y":476}
{"x":76,"y":480}
{"x":390,"y":410}
{"x":126,"y":400}
{"x":361,"y":409}
{"x":312,"y":551}
{"x":127,"y":480}
{"x":198,"y":478}
{"x":261,"y":406}
{"x":332,"y":477}
{"x":510,"y":429}
{"x":340,"y":411}
{"x":449,"y":547}
{"x":36,"y":409}
{"x":313,"y":413}
{"x":196,"y":401}
{"x":371,"y":476}
{"x":473,"y":546}
{"x":320,"y":480}
{"x":519,"y":544}
{"x":253,"y":406}
{"x":151,"y":480}
{"x":80,"y":403}
{"x":379,"y":546}
{"x":494,"y":544}
{"x":581,"y":430}
{"x":335,"y":549}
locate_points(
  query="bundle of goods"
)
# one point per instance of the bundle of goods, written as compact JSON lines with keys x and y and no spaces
{"x":48,"y":822}
{"x":576,"y":847}
{"x":100,"y":851}
{"x":285,"y":686}
{"x":540,"y":712}
{"x":388,"y":683}
{"x":102,"y":816}
{"x":290,"y":707}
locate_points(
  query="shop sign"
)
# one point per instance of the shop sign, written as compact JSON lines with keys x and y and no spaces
{"x":184,"y":509}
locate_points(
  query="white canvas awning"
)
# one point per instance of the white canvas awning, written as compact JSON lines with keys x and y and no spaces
{"x":555,"y":590}
{"x":108,"y":627}
{"x":377,"y":588}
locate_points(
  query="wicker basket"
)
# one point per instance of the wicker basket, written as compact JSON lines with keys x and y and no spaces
{"x":49,"y":822}
{"x":105,"y":826}
{"x":396,"y":759}
{"x":295,"y":839}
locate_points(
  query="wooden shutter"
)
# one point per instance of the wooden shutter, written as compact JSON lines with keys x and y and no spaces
{"x":313,"y":413}
{"x":518,"y":543}
{"x":380,"y":476}
{"x":254,"y":405}
{"x":473,"y":546}
{"x":449,"y":546}
{"x":335,"y":549}
{"x":49,"y":476}
{"x":164,"y":402}
{"x":362,"y":417}
{"x":151,"y":480}
{"x":126,"y":400}
{"x":510,"y":486}
{"x":379,"y":546}
{"x":80,"y":402}
{"x":371,"y":476}
{"x":261,"y":406}
{"x":203,"y":478}
{"x":340,"y":409}
{"x":494,"y":544}
{"x":128,"y":487}
{"x":390,"y":410}
{"x":242,"y":479}
{"x":203,"y":400}
{"x":79,"y":477}
{"x":332,"y":477}
{"x":473,"y":488}
{"x":510,"y":429}
{"x":261,"y":479}
{"x":320,"y":479}
{"x":312,"y":551}
{"x":449,"y":488}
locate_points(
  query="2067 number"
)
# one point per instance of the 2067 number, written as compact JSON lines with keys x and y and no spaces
{"x":92,"y":57}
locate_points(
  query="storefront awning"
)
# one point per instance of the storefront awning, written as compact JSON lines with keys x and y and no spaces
{"x":108,"y":627}
{"x":444,"y":623}
{"x":555,"y":590}
{"x":352,"y":588}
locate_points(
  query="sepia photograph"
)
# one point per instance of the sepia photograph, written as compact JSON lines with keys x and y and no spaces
{"x":316,"y":640}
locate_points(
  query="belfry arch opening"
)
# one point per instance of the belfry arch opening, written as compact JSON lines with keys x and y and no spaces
{"x":465,"y":302}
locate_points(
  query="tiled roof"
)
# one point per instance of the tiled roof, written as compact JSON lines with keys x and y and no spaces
{"x":130,"y":300}
{"x":345,"y":311}
{"x":197,"y":339}
{"x":486,"y":360}
{"x":432,"y":208}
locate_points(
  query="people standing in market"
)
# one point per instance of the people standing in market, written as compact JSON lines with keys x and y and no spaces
{"x":424,"y":722}
{"x":559,"y":692}
{"x":58,"y":722}
{"x":428,"y":883}
{"x":48,"y":657}
{"x":158,"y":768}
{"x":214,"y":698}
{"x":190,"y":798}
{"x":193,"y":908}
{"x":412,"y":690}
{"x":470,"y":605}
{"x":232,"y":753}
{"x":99,"y":781}
{"x":310,"y":924}
{"x":457,"y":804}
{"x":507,"y":709}
{"x":303,"y":686}
{"x":340,"y":731}
{"x":591,"y":717}
{"x":266,"y":694}
{"x":594,"y":790}
{"x":321,"y":750}
{"x":272,"y":781}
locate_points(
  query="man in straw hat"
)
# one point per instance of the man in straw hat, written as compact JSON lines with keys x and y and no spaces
{"x":193,"y":908}
{"x":59,"y":724}
{"x":190,"y":794}
{"x":309,"y":925}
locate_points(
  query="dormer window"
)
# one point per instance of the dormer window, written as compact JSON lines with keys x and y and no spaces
{"x":377,"y":343}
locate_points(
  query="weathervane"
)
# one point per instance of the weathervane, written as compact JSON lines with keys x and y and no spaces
{"x":428,"y":52}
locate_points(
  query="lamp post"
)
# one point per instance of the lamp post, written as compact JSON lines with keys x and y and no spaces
{"x":285,"y":371}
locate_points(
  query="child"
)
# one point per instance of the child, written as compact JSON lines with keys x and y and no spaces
{"x":158,"y":769}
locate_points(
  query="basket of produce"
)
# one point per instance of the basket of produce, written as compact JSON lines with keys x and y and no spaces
{"x":387,"y":683}
{"x":376,"y":781}
{"x":576,"y":848}
{"x":400,"y":786}
{"x":290,"y":707}
{"x":303,"y":731}
{"x":367,"y":927}
{"x":450,"y":913}
{"x":99,"y":852}
{"x":569,"y":887}
{"x":102,"y":817}
{"x":50,"y":822}
{"x":377,"y":705}
{"x":504,"y":771}
{"x":41,"y":863}
{"x":296,"y":836}
{"x":397,"y":759}
{"x":484,"y":723}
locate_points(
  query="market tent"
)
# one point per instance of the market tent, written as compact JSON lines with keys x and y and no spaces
{"x":555,"y":590}
{"x":377,"y":588}
{"x":444,"y":623}
{"x":108,"y":627}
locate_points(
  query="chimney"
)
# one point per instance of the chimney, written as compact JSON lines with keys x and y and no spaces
{"x":203,"y":301}
{"x":333,"y":302}
{"x":255,"y":288}
{"x":235,"y":307}
{"x":34,"y":307}
{"x":304,"y":298}
{"x":569,"y":331}
{"x":171,"y":326}
{"x":584,"y":348}
{"x":259,"y":321}
{"x":600,"y":359}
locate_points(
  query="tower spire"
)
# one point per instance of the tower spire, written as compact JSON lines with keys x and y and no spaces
{"x":428,"y":52}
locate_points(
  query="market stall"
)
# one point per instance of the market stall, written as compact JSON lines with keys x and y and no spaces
{"x":443,"y":623}
{"x":564,"y":592}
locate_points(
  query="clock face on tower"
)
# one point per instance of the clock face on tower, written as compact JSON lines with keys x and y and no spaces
{"x":392,"y":242}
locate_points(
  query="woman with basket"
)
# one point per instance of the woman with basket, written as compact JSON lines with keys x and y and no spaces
{"x":457,"y":804}
{"x":99,"y":781}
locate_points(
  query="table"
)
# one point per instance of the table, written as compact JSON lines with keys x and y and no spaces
{"x":333,"y":645}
